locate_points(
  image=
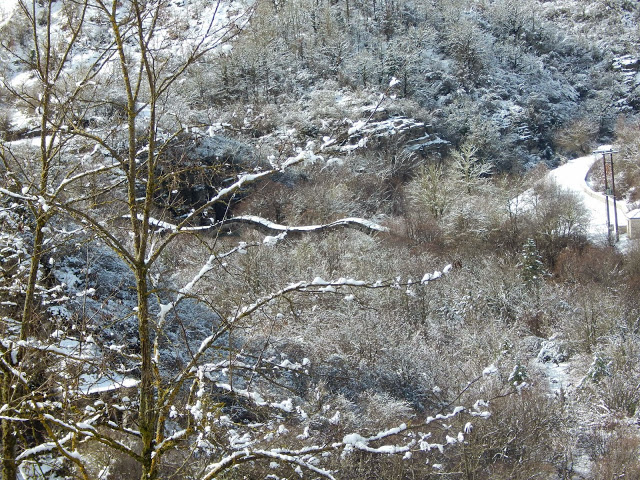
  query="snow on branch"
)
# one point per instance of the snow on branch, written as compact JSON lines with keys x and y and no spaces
{"x":43,"y":448}
{"x":84,"y":428}
{"x":358,"y":442}
{"x":246,"y":178}
{"x":99,"y":169}
{"x":9,"y":193}
{"x":16,"y":373}
{"x":165,"y":308}
{"x":276,"y":454}
{"x":229,"y":191}
{"x":295,"y":460}
{"x":162,"y":226}
{"x":317,"y":285}
{"x":349,"y":443}
{"x":170,"y":440}
{"x":268,"y":226}
{"x":256,"y":398}
{"x":68,"y":352}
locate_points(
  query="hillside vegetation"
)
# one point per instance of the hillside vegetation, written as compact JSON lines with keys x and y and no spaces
{"x":291,"y":239}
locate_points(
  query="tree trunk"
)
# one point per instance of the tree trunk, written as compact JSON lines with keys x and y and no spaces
{"x":9,"y":466}
{"x":28,"y":310}
{"x":11,"y":388}
{"x":147,"y":410}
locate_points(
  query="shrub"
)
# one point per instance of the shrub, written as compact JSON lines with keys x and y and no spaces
{"x":516,"y":442}
{"x":558,"y":220}
{"x":591,"y":264}
{"x":620,"y":458}
{"x":577,"y":138}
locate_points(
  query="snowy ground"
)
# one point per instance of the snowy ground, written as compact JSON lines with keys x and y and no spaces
{"x":6,"y":8}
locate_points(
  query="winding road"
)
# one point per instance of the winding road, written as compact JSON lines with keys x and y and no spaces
{"x":571,"y":176}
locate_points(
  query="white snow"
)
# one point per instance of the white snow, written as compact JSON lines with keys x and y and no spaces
{"x":354,"y":439}
{"x":271,"y":241}
{"x":6,"y":10}
{"x":557,"y":374}
{"x":490,"y":370}
{"x":285,"y":405}
{"x":275,"y":227}
{"x":480,"y":403}
{"x":91,"y":384}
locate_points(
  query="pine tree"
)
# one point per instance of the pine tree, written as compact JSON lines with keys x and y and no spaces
{"x":533,"y":269}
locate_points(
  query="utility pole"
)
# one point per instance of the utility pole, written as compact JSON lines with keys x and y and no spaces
{"x":607,"y":165}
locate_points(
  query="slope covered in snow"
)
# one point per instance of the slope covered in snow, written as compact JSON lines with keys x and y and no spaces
{"x":260,"y":354}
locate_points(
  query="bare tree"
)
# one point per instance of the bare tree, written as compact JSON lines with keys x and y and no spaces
{"x":37,"y":167}
{"x":134,"y":148}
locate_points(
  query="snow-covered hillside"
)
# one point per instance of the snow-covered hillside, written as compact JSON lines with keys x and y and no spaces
{"x":289,"y":239}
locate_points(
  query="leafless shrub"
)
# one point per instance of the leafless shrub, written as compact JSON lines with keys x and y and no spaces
{"x":620,"y":457}
{"x":577,"y":137}
{"x":516,"y":442}
{"x":591,"y":264}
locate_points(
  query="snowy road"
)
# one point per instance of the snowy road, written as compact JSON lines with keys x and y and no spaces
{"x":571,"y":176}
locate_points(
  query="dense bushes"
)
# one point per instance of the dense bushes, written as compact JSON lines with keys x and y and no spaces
{"x":404,"y":344}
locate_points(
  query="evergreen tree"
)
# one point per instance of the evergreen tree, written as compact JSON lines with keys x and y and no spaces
{"x":533,"y":269}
